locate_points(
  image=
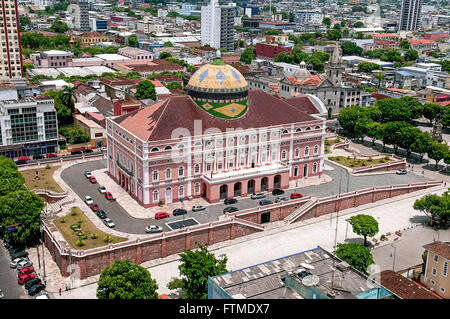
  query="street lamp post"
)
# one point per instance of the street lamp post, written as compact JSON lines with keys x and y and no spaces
{"x":393,"y":261}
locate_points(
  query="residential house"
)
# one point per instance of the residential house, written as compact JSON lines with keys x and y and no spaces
{"x":436,"y":274}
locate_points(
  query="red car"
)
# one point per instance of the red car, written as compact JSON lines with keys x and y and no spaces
{"x":92,"y":180}
{"x":160,"y":215}
{"x":51,"y":155}
{"x":296,"y":195}
{"x":25,"y":271}
{"x":24,"y":158}
{"x":108,"y":195}
{"x":94,"y":207}
{"x":23,"y":279}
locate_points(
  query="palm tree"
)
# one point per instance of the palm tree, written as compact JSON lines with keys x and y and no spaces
{"x":68,"y":97}
{"x":379,"y":77}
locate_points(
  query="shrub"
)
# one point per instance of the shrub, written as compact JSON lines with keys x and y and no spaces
{"x":352,"y":164}
{"x":47,"y":166}
{"x":80,"y":220}
{"x":161,"y":202}
{"x":382,"y":161}
{"x":363,"y":163}
{"x":107,"y":239}
{"x":370,"y":159}
{"x":383,"y":237}
{"x":80,"y":242}
{"x":338,"y":139}
{"x":62,"y":220}
{"x":73,"y":212}
{"x":94,"y":236}
{"x":327,"y":142}
{"x":386,"y":157}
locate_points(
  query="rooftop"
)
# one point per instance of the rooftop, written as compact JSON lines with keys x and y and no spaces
{"x":404,"y":287}
{"x":439,"y":248}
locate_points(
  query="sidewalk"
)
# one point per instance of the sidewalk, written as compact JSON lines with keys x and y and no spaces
{"x":278,"y":241}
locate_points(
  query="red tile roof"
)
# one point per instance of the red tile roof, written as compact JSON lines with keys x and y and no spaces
{"x":157,"y":121}
{"x":440,"y":248}
{"x":404,"y":287}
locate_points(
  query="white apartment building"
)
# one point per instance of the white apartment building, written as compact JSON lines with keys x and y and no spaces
{"x":314,"y":17}
{"x":410,"y":15}
{"x":79,"y":15}
{"x":149,"y":26}
{"x":217,"y":26}
{"x":41,"y":4}
{"x":10,"y":47}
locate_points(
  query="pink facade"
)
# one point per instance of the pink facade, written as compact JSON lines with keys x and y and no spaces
{"x":260,"y":160}
{"x":53,"y":59}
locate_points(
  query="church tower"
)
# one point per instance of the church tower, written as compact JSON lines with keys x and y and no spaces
{"x":334,"y":68}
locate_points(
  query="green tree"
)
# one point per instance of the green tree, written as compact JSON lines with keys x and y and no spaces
{"x":133,"y":41}
{"x":164,"y":55}
{"x":174,"y":85}
{"x":445,"y":65}
{"x":407,"y":136}
{"x":133,"y":75}
{"x":358,"y":24}
{"x":347,"y":118}
{"x":168,"y":44}
{"x":393,"y":109}
{"x":392,"y":135}
{"x":24,"y":20}
{"x":437,"y":152}
{"x":74,"y":134}
{"x":350,"y":48}
{"x":430,"y":111}
{"x":405,"y":45}
{"x":327,"y":22}
{"x":68,"y":97}
{"x":436,"y":207}
{"x":334,"y":34}
{"x":445,"y":120}
{"x":145,"y":90}
{"x":195,"y":269}
{"x":411,"y":55}
{"x":356,"y":255}
{"x":59,"y":27}
{"x":364,"y":225}
{"x":368,"y":66}
{"x":10,"y":179}
{"x":248,"y":55}
{"x":126,"y":280}
{"x":422,"y":144}
{"x":22,"y":207}
{"x":373,"y":131}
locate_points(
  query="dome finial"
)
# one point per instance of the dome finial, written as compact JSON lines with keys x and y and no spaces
{"x":218,"y":54}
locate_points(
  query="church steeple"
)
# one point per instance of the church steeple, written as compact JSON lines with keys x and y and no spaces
{"x":334,"y":67}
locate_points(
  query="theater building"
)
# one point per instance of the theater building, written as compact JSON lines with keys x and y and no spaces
{"x":222,"y":140}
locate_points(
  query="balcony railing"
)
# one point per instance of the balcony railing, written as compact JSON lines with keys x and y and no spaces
{"x":124,"y":169}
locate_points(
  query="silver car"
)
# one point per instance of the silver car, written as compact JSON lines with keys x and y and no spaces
{"x":279,"y":199}
{"x":24,"y":264}
{"x":257,"y":196}
{"x":108,"y":222}
{"x":88,"y":200}
{"x":197,"y":208}
{"x":102,"y":189}
{"x":15,"y":262}
{"x":153,"y":229}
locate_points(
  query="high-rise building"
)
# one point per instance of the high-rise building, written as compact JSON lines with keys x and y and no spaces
{"x":410,"y":15}
{"x":217,"y":26}
{"x":11,"y":49}
{"x":78,"y":12}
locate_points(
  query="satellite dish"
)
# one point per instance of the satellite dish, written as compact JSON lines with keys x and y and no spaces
{"x":310,"y":280}
{"x":307,"y":266}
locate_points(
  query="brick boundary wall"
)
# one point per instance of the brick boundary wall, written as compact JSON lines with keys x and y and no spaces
{"x":93,"y":261}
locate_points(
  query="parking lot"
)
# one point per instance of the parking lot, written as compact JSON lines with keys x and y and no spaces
{"x":126,"y":223}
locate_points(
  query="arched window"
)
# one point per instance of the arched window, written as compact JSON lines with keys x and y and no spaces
{"x":284,"y":132}
{"x":155,"y":195}
{"x":298,"y":129}
{"x":306,"y":150}
{"x":181,"y":191}
{"x":308,"y":128}
{"x":198,"y":144}
{"x":154,"y":149}
{"x":168,"y":148}
{"x":295,"y":170}
{"x":181,"y":171}
{"x":283,"y":155}
{"x":315,"y":167}
{"x":317,"y":127}
{"x":197,"y":188}
{"x":316,"y":149}
{"x":180,"y":146}
{"x":197,"y":168}
{"x":155,"y":175}
{"x":297,"y":152}
{"x":168,"y":173}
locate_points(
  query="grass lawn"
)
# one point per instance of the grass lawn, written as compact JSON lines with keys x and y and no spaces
{"x":349,"y":162}
{"x":329,"y":143}
{"x":45,"y":180}
{"x":87,"y":228}
{"x":215,"y":106}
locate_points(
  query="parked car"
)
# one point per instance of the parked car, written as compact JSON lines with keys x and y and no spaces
{"x":87,"y":150}
{"x":94,"y":207}
{"x":31,"y":283}
{"x":153,"y":229}
{"x":2,"y":295}
{"x":15,"y":262}
{"x":102,"y":189}
{"x":179,"y":211}
{"x":279,"y":199}
{"x":23,"y":279}
{"x":25,"y":271}
{"x":257,"y":196}
{"x":14,"y":249}
{"x":265,"y":202}
{"x":76,"y":152}
{"x":92,"y":179}
{"x":88,"y":199}
{"x":24,"y":158}
{"x":277,"y":192}
{"x":51,"y":155}
{"x":19,"y":162}
{"x":108,"y":222}
{"x":197,"y":208}
{"x":38,"y":156}
{"x":101,"y":213}
{"x":401,"y":172}
{"x":160,"y":215}
{"x":230,"y":209}
{"x":24,"y":264}
{"x":109,"y":196}
{"x":296,"y":195}
{"x":19,"y":254}
{"x":229,"y":201}
{"x":36,"y":289}
{"x":87,"y":174}
{"x":103,"y":149}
